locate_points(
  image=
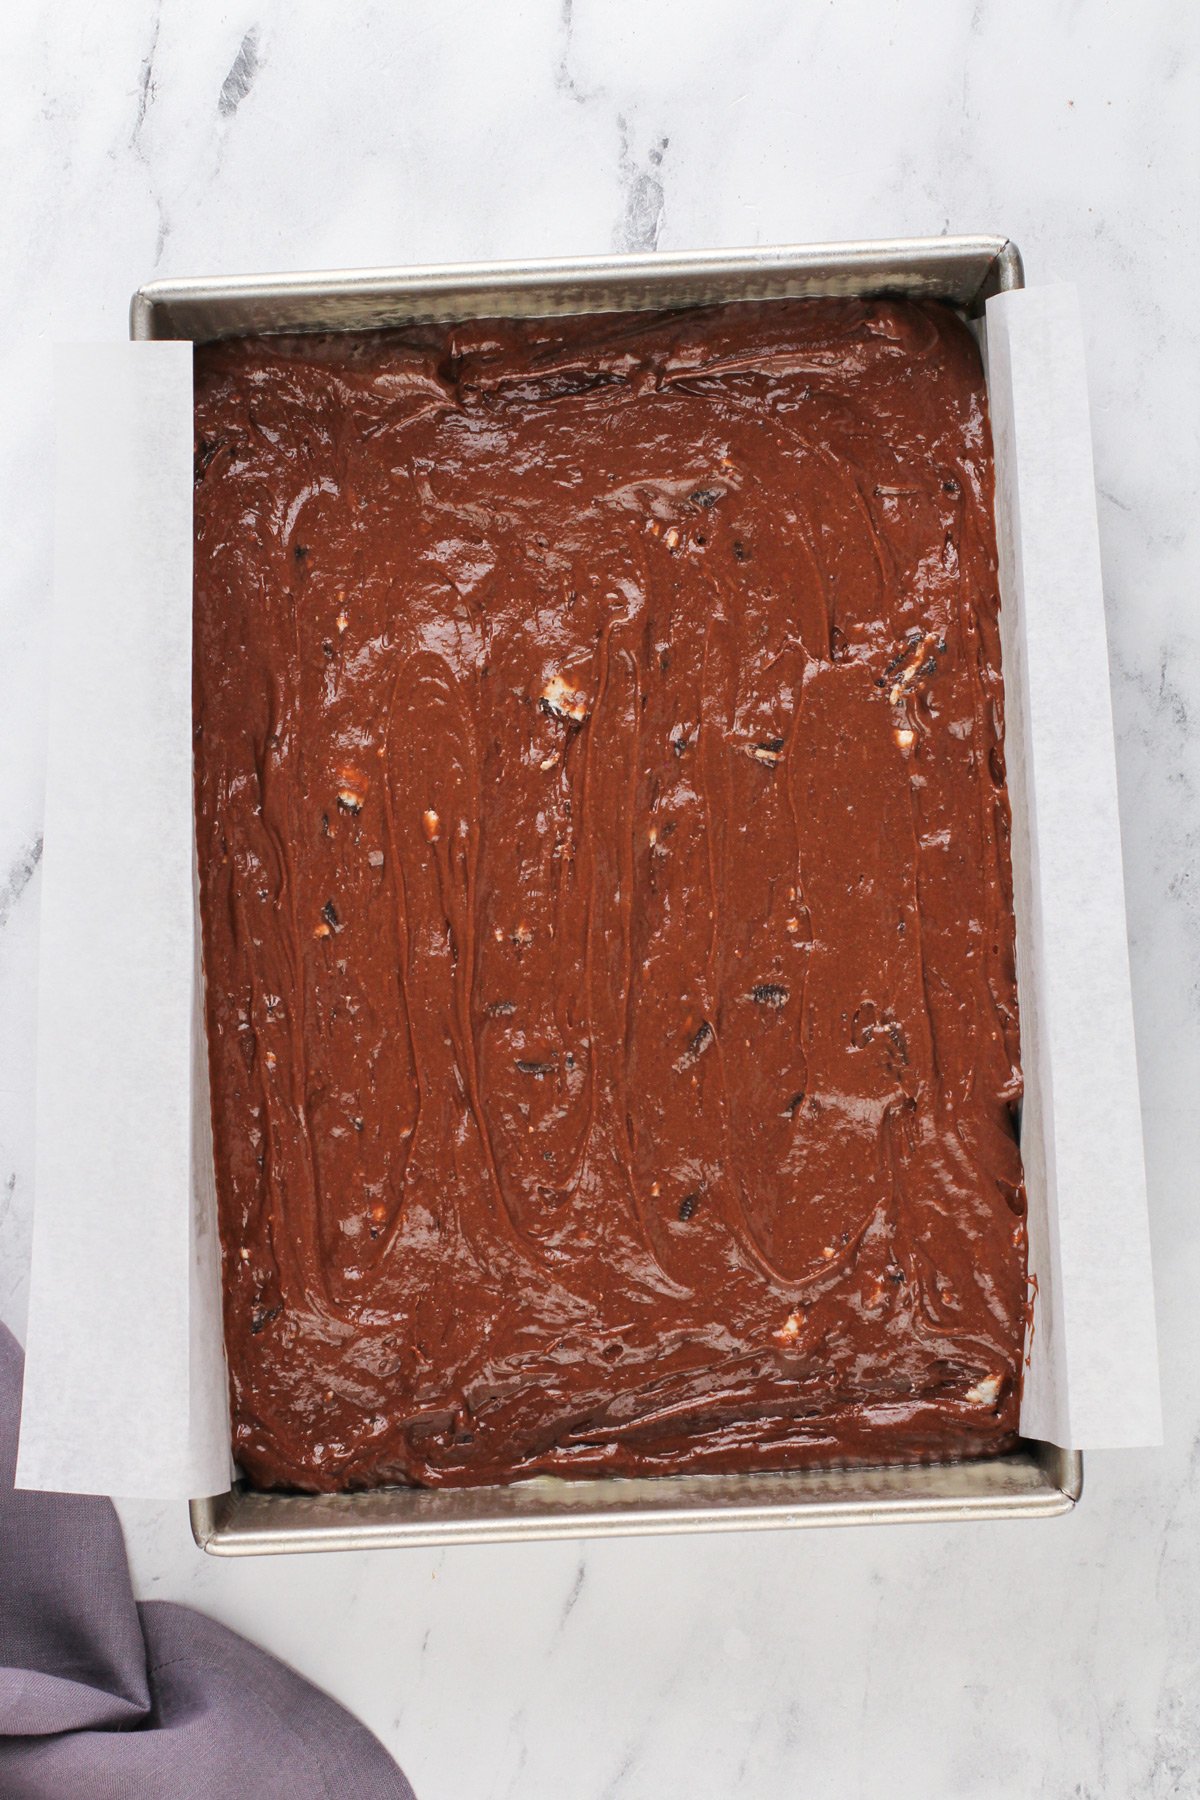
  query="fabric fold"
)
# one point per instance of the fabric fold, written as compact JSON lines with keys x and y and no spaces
{"x":105,"y":1699}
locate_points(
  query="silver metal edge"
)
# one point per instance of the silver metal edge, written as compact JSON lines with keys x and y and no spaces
{"x":1038,"y":1481}
{"x":961,"y":269}
{"x":1046,"y":1481}
{"x":1065,"y":1469}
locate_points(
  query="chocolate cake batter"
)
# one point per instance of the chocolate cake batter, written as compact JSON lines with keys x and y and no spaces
{"x":606,"y":899}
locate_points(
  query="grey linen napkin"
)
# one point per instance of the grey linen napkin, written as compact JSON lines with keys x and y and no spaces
{"x":105,"y":1699}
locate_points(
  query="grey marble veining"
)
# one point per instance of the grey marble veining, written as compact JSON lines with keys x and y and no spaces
{"x":1022,"y":1661}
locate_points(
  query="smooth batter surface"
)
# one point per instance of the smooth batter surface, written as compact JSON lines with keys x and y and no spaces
{"x":604,"y":860}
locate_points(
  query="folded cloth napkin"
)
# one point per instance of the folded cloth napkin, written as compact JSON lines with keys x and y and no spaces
{"x":105,"y":1699}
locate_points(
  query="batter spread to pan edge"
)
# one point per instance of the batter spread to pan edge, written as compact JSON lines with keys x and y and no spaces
{"x":606,"y":900}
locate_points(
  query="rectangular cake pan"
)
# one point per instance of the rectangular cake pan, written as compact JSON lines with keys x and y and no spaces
{"x":1035,"y":1480}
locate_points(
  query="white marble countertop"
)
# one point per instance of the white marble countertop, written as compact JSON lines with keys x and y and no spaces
{"x":1018,"y":1660}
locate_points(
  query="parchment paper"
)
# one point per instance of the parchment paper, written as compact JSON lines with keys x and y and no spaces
{"x":125,"y":1380}
{"x":1092,"y":1380}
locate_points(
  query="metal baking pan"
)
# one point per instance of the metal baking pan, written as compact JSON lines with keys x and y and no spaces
{"x":1035,"y":1480}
